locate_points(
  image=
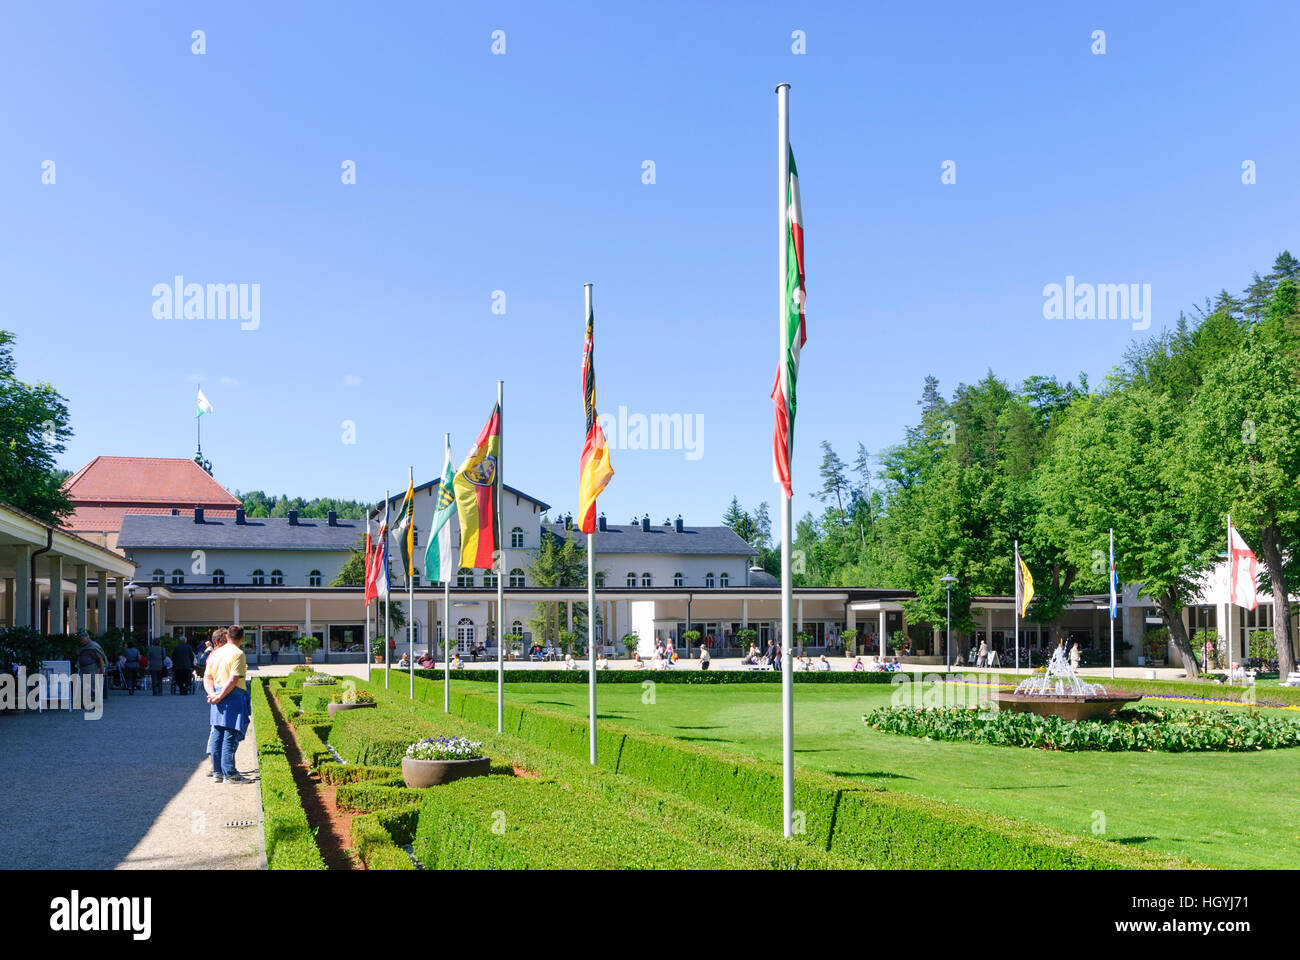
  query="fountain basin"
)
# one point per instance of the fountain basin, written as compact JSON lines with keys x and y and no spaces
{"x":1066,"y":706}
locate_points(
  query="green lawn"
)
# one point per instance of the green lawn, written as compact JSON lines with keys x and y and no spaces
{"x":1229,"y":810}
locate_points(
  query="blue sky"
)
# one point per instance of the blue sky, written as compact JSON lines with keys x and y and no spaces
{"x":522,"y":173}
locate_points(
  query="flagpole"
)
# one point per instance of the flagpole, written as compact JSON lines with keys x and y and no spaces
{"x":388,"y":592}
{"x":365,"y":595}
{"x":496,"y":559}
{"x":446,"y":606}
{"x":591,"y":611}
{"x":1114,"y":586}
{"x":198,"y":428}
{"x":1015,"y":579}
{"x":787,"y":591}
{"x":1232,"y":589}
{"x":410,"y":591}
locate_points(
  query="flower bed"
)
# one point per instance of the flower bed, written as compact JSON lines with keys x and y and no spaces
{"x":445,"y":748}
{"x":1174,"y":731}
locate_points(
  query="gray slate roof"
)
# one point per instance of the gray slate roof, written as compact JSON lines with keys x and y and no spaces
{"x":142,"y":531}
{"x":630,"y":538}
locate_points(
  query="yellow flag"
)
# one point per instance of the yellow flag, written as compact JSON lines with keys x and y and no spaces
{"x":1024,"y":587}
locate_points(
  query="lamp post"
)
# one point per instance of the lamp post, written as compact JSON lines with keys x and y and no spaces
{"x":948,"y":580}
{"x":130,"y":607}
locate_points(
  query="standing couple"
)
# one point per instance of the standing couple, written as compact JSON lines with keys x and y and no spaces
{"x":224,"y":681}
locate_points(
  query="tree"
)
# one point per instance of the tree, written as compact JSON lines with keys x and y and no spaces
{"x":353,"y":571}
{"x":33,"y":428}
{"x":558,"y":561}
{"x":1240,"y":448}
{"x":835,"y":481}
{"x":1107,"y":470}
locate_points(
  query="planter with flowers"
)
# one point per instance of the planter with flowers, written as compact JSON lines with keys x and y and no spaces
{"x":350,"y":700}
{"x":437,"y":760}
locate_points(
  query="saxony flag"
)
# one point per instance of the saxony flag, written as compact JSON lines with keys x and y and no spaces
{"x":202,"y":405}
{"x":594,"y":469}
{"x":404,"y":527}
{"x":437,"y":555}
{"x":793,"y":337}
{"x":475,"y":497}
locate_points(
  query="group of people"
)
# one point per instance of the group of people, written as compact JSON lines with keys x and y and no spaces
{"x":875,"y":665}
{"x":133,"y":665}
{"x":771,"y":657}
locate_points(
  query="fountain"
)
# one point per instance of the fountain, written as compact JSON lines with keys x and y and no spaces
{"x":1059,"y":691}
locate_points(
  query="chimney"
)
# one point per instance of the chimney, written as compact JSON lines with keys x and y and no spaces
{"x":600,"y":522}
{"x":645,"y":523}
{"x":239,"y":515}
{"x":333,"y":518}
{"x":293,"y":518}
{"x":175,"y":512}
{"x":198,"y":514}
{"x":679,"y":523}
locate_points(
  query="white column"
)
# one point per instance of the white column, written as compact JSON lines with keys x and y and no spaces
{"x":744,"y":613}
{"x":22,"y":606}
{"x":160,"y":618}
{"x":799,"y":626}
{"x":57,"y":624}
{"x":101,"y":601}
{"x":7,"y":618}
{"x":236,"y":612}
{"x":119,"y":608}
{"x":306,"y":615}
{"x":884,"y":647}
{"x":83,"y":612}
{"x":568,"y":611}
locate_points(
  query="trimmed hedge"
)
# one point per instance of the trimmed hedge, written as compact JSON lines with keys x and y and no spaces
{"x":880,"y":828}
{"x":290,"y":841}
{"x":375,"y":737}
{"x":338,"y":773}
{"x":686,"y":672}
{"x":367,"y":796}
{"x":376,"y":837}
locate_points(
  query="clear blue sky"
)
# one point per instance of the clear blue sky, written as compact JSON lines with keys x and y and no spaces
{"x":522,"y":173}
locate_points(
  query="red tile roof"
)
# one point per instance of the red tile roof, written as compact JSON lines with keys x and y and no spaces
{"x":108,"y":487}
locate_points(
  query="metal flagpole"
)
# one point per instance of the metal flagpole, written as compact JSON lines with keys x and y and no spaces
{"x":496,"y":560}
{"x":591,"y":613}
{"x":787,"y":592}
{"x":1232,"y":588}
{"x":1114,"y":587}
{"x":410,"y":593}
{"x":1016,"y":590}
{"x":388,"y":591}
{"x":446,"y":604}
{"x":365,"y":587}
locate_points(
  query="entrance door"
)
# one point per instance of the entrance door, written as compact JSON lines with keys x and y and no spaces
{"x":278,"y":644}
{"x":464,"y":635}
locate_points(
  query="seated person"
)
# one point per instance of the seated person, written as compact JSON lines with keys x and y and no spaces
{"x":458,"y":663}
{"x":857,"y":665}
{"x":637,"y":662}
{"x":601,"y":662}
{"x":823,"y":663}
{"x":569,"y":662}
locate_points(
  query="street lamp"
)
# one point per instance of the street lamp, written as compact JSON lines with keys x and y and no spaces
{"x":130,"y":607}
{"x":948,"y":580}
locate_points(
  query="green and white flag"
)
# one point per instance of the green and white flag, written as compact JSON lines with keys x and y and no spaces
{"x":203,"y":405}
{"x":437,"y":556}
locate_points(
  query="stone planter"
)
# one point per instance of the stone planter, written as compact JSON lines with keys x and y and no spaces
{"x":334,"y":708}
{"x":432,"y":773}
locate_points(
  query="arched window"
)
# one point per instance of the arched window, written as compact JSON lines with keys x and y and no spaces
{"x":259,"y":577}
{"x":158,"y":576}
{"x":631,"y":578}
{"x":464,"y":634}
{"x":724,"y":580}
{"x":708,"y":579}
{"x":314,"y":578}
{"x":517,"y":538}
{"x":647,"y":580}
{"x":178,"y":577}
{"x":517,"y":578}
{"x":678,"y":579}
{"x":517,"y":627}
{"x":465,"y":577}
{"x":277,"y":578}
{"x":218,"y":577}
{"x":600,"y":579}
{"x":490,"y":579}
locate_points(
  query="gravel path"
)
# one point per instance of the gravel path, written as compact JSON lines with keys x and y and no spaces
{"x":126,"y":791}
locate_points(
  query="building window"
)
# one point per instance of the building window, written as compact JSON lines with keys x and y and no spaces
{"x":708,"y":579}
{"x":631,"y":579}
{"x":678,"y":579}
{"x":517,"y":538}
{"x":178,"y":577}
{"x":464,"y":634}
{"x":517,"y":627}
{"x":415,"y":535}
{"x":465,"y":577}
{"x":277,"y":578}
{"x":517,"y":578}
{"x":724,"y":580}
{"x":600,"y":579}
{"x":647,"y":580}
{"x":259,"y":578}
{"x":158,"y":576}
{"x":415,"y":579}
{"x":313,"y":578}
{"x":218,"y":577}
{"x":490,"y":579}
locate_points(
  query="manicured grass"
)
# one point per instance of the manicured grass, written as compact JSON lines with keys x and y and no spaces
{"x":1230,"y":810}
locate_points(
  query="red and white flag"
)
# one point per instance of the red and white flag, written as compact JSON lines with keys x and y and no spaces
{"x":793,"y":336}
{"x":1243,"y":572}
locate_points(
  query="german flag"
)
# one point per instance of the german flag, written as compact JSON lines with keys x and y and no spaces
{"x":475,"y":486}
{"x":594,"y":469}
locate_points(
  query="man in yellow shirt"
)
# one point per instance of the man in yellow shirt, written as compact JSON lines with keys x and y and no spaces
{"x":224,"y":680}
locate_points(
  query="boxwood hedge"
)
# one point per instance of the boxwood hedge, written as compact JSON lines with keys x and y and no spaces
{"x":290,"y":841}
